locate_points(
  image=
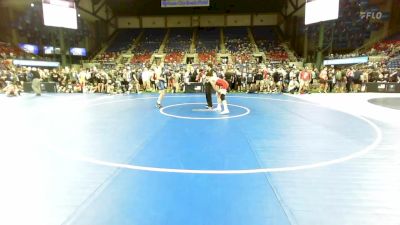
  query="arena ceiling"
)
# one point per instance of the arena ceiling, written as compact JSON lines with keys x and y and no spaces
{"x":153,"y":7}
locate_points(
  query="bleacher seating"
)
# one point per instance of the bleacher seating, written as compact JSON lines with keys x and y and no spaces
{"x":123,"y":40}
{"x":238,"y":44}
{"x":179,"y":40}
{"x":208,"y":44}
{"x":268,"y":42}
{"x":208,"y":40}
{"x":394,"y":63}
{"x":150,"y":43}
{"x":178,"y":43}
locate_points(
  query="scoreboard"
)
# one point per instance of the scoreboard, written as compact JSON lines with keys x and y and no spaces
{"x":60,"y":13}
{"x":321,"y":10}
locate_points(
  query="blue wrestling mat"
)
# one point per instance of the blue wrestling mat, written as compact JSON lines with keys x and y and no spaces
{"x":118,"y":160}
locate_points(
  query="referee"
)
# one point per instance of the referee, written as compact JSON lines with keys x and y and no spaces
{"x":208,"y":87}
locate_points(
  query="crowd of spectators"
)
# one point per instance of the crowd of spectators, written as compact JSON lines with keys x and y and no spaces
{"x":141,"y":57}
{"x":390,"y":48}
{"x":174,"y":57}
{"x":353,"y":79}
{"x":244,"y":74}
{"x":253,"y":78}
{"x":344,"y":56}
{"x":9,"y":51}
{"x":273,"y":50}
{"x":106,"y":57}
{"x":208,"y":56}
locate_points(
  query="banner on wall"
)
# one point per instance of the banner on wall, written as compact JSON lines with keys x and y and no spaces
{"x":184,"y":3}
{"x":355,"y":60}
{"x":35,"y":63}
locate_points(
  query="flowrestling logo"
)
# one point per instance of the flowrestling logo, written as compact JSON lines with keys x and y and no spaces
{"x":374,"y":15}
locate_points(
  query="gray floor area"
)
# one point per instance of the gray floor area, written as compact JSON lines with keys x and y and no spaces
{"x":393,"y":103}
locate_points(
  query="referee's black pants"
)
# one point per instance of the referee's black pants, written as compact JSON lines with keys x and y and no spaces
{"x":208,"y":89}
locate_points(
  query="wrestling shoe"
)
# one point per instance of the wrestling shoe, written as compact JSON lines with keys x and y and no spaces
{"x":218,"y":109}
{"x":224,"y":112}
{"x":158,"y":105}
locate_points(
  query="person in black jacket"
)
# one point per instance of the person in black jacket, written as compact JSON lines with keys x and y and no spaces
{"x":208,"y":87}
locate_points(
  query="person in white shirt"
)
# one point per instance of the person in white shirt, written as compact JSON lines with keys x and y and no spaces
{"x":157,"y":69}
{"x":82,"y":80}
{"x":146,"y":75}
{"x":176,"y":81}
